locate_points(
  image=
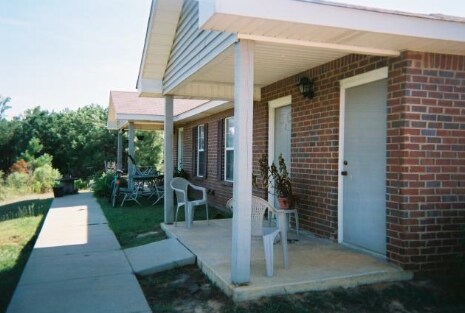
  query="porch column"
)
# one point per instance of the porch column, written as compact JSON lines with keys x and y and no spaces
{"x":168,"y":159}
{"x":119,"y":153}
{"x":242,"y":190}
{"x":131,"y":133}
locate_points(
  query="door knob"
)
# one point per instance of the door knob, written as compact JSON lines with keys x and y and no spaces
{"x":344,"y":173}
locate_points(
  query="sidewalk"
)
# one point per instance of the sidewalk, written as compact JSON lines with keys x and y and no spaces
{"x":77,"y":265}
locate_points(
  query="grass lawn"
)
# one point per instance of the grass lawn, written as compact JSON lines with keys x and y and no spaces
{"x":136,"y":225}
{"x":20,"y":224}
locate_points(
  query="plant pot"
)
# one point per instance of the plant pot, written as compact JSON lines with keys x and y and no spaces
{"x":284,"y":202}
{"x":58,"y":191}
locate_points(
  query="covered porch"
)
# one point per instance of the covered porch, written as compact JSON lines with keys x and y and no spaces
{"x":237,"y":51}
{"x":314,"y":263}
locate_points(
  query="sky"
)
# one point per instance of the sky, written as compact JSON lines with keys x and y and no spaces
{"x":60,"y":54}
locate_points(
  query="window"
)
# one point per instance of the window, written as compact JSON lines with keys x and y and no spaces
{"x":201,"y":151}
{"x":229,"y":149}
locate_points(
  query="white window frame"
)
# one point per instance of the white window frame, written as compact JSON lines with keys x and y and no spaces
{"x":200,"y":127}
{"x":226,"y":148}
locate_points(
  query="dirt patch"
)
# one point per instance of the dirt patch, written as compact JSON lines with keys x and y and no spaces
{"x":188,"y":290}
{"x":183,"y":290}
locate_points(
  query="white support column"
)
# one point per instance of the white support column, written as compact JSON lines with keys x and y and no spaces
{"x":242,"y":190}
{"x":168,"y":159}
{"x":131,"y":134}
{"x":119,"y":153}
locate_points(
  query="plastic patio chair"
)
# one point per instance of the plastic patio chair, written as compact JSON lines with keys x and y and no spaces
{"x":268,"y":234}
{"x":180,"y":186}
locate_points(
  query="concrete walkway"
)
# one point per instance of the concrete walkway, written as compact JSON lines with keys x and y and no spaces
{"x":77,"y":265}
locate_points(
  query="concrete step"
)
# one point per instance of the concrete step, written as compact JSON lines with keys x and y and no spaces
{"x":158,"y":256}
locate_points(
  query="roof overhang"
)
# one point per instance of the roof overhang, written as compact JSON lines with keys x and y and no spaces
{"x":335,"y":26}
{"x":161,"y":29}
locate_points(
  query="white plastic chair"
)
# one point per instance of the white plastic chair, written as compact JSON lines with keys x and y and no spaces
{"x":268,"y":234}
{"x":180,"y":186}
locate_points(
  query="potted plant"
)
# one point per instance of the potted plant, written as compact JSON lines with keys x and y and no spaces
{"x":58,"y":189}
{"x":278,"y":179}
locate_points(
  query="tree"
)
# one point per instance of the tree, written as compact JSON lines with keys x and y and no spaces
{"x":149,"y":151}
{"x":4,"y":106}
{"x":77,"y":140}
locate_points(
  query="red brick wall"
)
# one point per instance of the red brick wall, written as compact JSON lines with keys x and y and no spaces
{"x":426,"y":160}
{"x":426,"y":152}
{"x":315,"y":138}
{"x":220,"y":191}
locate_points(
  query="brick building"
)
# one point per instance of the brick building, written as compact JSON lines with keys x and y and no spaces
{"x":377,"y":155}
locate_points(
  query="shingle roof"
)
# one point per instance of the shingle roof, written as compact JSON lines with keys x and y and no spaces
{"x":127,"y":102}
{"x":148,"y":113}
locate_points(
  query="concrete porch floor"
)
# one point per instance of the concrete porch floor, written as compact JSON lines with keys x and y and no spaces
{"x":314,"y":264}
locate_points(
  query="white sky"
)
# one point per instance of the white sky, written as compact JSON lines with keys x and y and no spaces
{"x":60,"y":54}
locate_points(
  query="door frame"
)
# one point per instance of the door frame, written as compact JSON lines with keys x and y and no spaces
{"x":365,"y":78}
{"x":180,"y":152}
{"x":272,"y":106}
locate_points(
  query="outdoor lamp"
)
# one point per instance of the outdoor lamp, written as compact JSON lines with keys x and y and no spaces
{"x":306,"y":87}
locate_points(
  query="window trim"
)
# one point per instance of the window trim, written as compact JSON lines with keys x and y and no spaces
{"x":198,"y":150}
{"x":226,"y":149}
{"x":180,"y":148}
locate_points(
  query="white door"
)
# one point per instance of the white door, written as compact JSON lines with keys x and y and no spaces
{"x":280,"y":132}
{"x":282,"y":135}
{"x":364,"y":166}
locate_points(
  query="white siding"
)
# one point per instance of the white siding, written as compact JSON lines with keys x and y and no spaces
{"x":192,"y":48}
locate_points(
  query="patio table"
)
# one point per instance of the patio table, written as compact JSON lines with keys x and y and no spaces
{"x":140,"y":180}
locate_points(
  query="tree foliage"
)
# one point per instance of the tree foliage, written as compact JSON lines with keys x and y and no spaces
{"x":149,"y":150}
{"x":76,"y":142}
{"x":4,"y":106}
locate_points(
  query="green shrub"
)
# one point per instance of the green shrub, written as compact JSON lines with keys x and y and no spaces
{"x":101,"y":186}
{"x":44,"y":178}
{"x":81,"y":184}
{"x":18,"y":181}
{"x":44,"y":159}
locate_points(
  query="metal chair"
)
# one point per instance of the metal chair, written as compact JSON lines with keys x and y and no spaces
{"x":158,"y":189}
{"x":130,"y":194}
{"x":268,"y":234}
{"x":180,"y":186}
{"x":141,"y":170}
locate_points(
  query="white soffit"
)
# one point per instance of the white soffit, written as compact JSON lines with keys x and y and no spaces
{"x":161,"y":30}
{"x":323,"y":22}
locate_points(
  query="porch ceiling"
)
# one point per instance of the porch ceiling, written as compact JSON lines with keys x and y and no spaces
{"x":273,"y":62}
